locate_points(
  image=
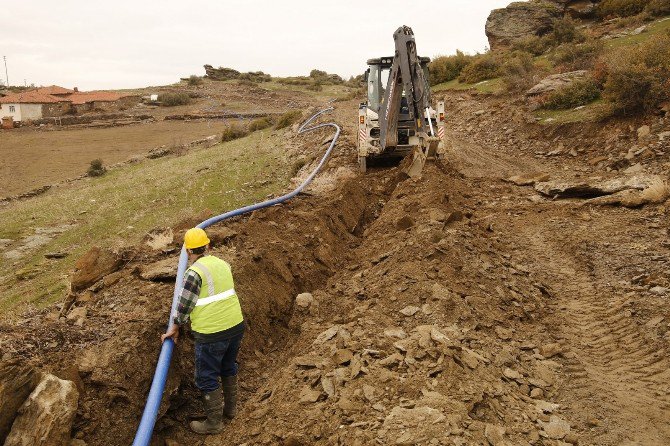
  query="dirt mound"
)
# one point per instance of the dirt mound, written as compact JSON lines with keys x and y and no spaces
{"x":398,"y":347}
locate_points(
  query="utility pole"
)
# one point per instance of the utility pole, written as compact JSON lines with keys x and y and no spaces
{"x":6,"y":75}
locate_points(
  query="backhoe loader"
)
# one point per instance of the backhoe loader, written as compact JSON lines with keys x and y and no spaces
{"x":398,"y":120}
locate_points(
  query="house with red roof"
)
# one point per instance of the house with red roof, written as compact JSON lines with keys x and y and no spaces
{"x":31,"y":105}
{"x":85,"y":101}
{"x":55,"y":101}
{"x":55,"y":90}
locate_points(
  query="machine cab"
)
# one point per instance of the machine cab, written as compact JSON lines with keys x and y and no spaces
{"x":377,"y":76}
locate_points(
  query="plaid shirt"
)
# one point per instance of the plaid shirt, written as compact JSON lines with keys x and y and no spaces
{"x":188,"y":297}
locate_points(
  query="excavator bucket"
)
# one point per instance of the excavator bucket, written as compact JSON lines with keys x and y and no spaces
{"x":414,"y":165}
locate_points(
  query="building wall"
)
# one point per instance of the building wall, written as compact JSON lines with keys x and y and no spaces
{"x":30,"y":111}
{"x":82,"y":108}
{"x":129,"y":101}
{"x":57,"y":109}
{"x":104,"y":105}
{"x":5,"y":111}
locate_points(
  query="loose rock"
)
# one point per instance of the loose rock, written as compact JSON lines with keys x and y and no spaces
{"x":94,"y":265}
{"x":45,"y":418}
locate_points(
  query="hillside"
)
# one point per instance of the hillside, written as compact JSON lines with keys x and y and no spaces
{"x":515,"y":294}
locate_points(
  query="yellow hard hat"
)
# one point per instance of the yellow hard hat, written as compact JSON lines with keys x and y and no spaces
{"x":195,"y":238}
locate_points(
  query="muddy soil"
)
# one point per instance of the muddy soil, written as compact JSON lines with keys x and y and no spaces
{"x":457,"y":309}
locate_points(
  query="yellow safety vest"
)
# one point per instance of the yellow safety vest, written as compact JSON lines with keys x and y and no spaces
{"x":218,"y":307}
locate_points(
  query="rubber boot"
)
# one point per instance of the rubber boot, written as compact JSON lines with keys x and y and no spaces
{"x":213,"y":403}
{"x":229,"y":395}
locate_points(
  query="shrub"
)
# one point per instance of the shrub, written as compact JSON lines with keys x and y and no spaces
{"x":353,"y":94}
{"x":356,"y":81}
{"x":565,"y":31}
{"x":638,"y":79}
{"x":600,"y":72}
{"x":621,"y":8}
{"x":658,"y":8}
{"x":295,"y":80}
{"x":96,"y":168}
{"x":246,"y":83}
{"x":631,"y":89}
{"x":447,"y":68}
{"x":316,"y":86}
{"x":260,"y":124}
{"x":483,"y":67}
{"x":194,"y":80}
{"x":517,"y":71}
{"x":255,"y":76}
{"x":318,"y":74}
{"x":287,"y":119}
{"x":534,"y":45}
{"x":233,"y":131}
{"x":655,"y":53}
{"x":580,"y":92}
{"x":580,"y":56}
{"x":173,"y":99}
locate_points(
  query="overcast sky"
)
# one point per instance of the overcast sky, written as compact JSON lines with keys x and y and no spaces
{"x":98,"y":44}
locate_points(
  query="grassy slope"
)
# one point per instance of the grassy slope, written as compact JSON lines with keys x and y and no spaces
{"x":491,"y":86}
{"x":593,"y":110}
{"x":653,"y":29}
{"x":120,"y":207}
{"x":327,"y":92}
{"x":494,"y":86}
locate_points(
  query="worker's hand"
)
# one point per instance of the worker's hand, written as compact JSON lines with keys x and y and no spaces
{"x":173,"y":332}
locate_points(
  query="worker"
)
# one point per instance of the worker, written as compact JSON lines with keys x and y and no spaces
{"x":208,"y":298}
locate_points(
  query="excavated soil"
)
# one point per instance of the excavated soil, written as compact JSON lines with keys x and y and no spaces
{"x":456,"y":309}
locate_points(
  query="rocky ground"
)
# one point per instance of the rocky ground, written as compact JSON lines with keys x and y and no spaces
{"x":485,"y":303}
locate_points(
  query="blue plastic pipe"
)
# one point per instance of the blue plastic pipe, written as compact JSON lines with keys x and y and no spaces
{"x":150,"y":414}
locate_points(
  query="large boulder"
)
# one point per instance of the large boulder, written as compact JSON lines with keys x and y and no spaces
{"x":221,"y":73}
{"x":519,"y":20}
{"x":45,"y":418}
{"x":556,"y":81}
{"x":581,"y":9}
{"x":17,"y":381}
{"x":93,"y":266}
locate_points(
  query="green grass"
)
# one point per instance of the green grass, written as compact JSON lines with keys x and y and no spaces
{"x":589,"y":112}
{"x":328,"y":91}
{"x":491,"y":86}
{"x":653,"y":29}
{"x":118,"y":208}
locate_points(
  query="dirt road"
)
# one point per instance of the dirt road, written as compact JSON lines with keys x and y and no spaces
{"x":616,"y":367}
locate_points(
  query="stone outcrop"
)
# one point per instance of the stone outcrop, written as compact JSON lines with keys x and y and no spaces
{"x":224,"y":74}
{"x":221,"y":73}
{"x":520,"y":20}
{"x":45,"y":418}
{"x":93,"y":266}
{"x":576,"y":8}
{"x":17,"y":381}
{"x":556,"y":81}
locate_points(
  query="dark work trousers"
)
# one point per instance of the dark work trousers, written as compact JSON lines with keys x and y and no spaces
{"x":214,"y":360}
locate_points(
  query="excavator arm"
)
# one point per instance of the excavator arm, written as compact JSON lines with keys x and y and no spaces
{"x":407,"y":75}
